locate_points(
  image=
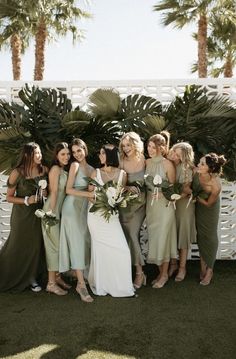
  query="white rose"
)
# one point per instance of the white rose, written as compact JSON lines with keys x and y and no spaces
{"x":157,"y":180}
{"x":43,"y":184}
{"x":39,"y":213}
{"x":50,"y":214}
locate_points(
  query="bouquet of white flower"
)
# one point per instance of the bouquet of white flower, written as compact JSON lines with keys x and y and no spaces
{"x":110,"y":198}
{"x":171,"y":191}
{"x":48,"y":218}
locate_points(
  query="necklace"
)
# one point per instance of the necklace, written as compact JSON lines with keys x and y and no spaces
{"x":110,"y":177}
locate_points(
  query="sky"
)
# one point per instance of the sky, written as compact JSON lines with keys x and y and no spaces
{"x":124,"y":41}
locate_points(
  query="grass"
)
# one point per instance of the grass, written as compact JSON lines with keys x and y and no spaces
{"x":182,"y":320}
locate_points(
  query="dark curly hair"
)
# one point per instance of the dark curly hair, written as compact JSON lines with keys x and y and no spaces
{"x":215,"y":162}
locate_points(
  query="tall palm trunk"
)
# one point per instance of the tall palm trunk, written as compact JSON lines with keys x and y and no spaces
{"x":228,"y":68}
{"x":40,"y":40}
{"x":202,"y":46}
{"x":16,"y":46}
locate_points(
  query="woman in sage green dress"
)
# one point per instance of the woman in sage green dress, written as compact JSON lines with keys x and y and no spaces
{"x":207,"y":180}
{"x":21,"y":258}
{"x":181,"y":154}
{"x":51,"y":235}
{"x":160,"y":214}
{"x":133,"y":163}
{"x":74,"y":235}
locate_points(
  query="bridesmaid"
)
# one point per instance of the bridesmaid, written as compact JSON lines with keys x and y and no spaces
{"x":160,"y":216}
{"x":57,"y":184}
{"x":22,"y":254}
{"x":181,"y":154}
{"x":133,"y":163}
{"x":74,"y":236}
{"x":207,"y":178}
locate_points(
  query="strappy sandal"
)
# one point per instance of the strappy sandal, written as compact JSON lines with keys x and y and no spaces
{"x":52,"y":287}
{"x":141,"y":281}
{"x":160,"y":283}
{"x":84,"y":294}
{"x":181,"y":274}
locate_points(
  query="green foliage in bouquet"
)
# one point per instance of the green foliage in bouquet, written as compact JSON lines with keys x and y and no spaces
{"x":110,"y":198}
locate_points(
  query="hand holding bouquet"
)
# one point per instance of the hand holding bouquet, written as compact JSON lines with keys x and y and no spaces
{"x":171,"y":191}
{"x":48,"y":218}
{"x":110,"y":198}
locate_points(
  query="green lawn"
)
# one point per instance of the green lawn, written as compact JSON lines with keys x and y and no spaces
{"x":181,"y":320}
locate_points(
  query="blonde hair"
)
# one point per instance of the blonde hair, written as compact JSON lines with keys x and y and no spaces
{"x":187,"y":157}
{"x":166,"y":136}
{"x":135,"y":140}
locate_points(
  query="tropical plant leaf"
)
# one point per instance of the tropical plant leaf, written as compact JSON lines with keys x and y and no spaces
{"x":104,"y":103}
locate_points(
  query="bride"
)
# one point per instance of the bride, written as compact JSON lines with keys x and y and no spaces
{"x":110,"y":267}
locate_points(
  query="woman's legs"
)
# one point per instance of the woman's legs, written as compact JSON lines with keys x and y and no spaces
{"x":183,"y":253}
{"x":81,"y":288}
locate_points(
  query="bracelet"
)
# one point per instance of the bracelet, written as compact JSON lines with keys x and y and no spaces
{"x":26,"y":201}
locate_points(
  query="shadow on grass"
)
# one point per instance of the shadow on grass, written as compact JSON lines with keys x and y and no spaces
{"x":181,"y":320}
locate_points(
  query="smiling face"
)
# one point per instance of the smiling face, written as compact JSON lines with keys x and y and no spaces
{"x":63,"y":157}
{"x":78,"y":153}
{"x":202,"y":166}
{"x":151,"y":148}
{"x":102,"y":156}
{"x":176,"y":156}
{"x":128,"y":147}
{"x":37,"y":156}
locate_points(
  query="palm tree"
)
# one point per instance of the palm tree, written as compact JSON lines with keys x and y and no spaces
{"x":14,"y":32}
{"x":222,"y":43}
{"x":181,"y":13}
{"x":53,"y":18}
{"x":44,"y":19}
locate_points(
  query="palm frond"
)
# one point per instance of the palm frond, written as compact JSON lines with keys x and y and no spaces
{"x":104,"y":103}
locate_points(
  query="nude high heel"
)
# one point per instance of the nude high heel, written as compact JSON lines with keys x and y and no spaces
{"x":84,"y":294}
{"x":142,"y":280}
{"x":52,"y":287}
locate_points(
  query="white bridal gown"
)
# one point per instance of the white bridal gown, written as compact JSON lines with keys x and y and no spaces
{"x":110,"y":267}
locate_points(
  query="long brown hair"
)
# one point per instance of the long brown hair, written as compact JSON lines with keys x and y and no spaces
{"x":26,"y":159}
{"x":59,"y":146}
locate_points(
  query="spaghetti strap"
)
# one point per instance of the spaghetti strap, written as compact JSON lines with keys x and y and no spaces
{"x":99,"y":176}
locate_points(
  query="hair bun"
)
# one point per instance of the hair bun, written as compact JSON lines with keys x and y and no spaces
{"x":221,"y":160}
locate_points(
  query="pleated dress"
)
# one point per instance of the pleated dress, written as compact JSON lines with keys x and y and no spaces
{"x":51,"y":235}
{"x":160,"y":219}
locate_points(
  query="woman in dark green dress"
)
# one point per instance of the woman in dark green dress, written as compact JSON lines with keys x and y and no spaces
{"x":21,"y":256}
{"x":207,"y":180}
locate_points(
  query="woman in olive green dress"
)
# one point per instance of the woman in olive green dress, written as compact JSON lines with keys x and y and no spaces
{"x":57,"y":183}
{"x":160,"y":213}
{"x":22,"y":255}
{"x":181,"y":154}
{"x":133,"y":163}
{"x":207,"y":179}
